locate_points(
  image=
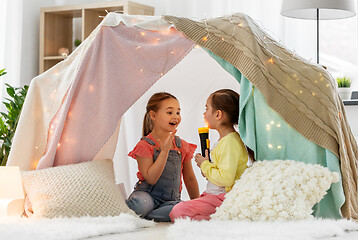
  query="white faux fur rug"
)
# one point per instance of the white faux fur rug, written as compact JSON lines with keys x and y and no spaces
{"x":69,"y":228}
{"x":299,"y":230}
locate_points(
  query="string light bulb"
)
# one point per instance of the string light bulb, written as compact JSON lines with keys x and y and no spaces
{"x":91,"y":88}
{"x":35,"y":164}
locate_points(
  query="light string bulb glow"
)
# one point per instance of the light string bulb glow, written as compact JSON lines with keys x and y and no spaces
{"x":153,"y":41}
{"x":264,"y":40}
{"x":270,"y":126}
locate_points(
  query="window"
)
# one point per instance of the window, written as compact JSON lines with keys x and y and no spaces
{"x":339,"y":48}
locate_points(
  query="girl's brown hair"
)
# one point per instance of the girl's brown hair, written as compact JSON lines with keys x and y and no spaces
{"x":153,"y":105}
{"x":228,"y":101}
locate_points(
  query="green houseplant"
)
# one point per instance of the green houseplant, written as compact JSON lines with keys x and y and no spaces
{"x":2,"y":72}
{"x":77,"y":42}
{"x":344,"y":87}
{"x":344,"y":82}
{"x":9,"y":120}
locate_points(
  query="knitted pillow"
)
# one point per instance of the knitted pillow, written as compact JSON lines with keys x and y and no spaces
{"x":83,"y":189}
{"x":276,"y":190}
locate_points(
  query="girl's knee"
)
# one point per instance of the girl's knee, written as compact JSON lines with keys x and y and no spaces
{"x":140,"y":202}
{"x":180,"y":210}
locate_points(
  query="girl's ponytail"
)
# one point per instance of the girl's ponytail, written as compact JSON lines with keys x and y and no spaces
{"x":153,"y":105}
{"x":147,"y":124}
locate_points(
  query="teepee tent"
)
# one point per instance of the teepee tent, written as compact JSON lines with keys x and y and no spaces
{"x":289,"y":107}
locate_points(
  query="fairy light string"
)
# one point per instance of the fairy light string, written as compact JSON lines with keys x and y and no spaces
{"x":264,"y":40}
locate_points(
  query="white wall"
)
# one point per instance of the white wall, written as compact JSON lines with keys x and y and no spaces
{"x":29,"y":45}
{"x":352,"y":116}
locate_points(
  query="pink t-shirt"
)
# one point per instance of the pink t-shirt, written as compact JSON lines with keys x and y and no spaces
{"x":144,"y":149}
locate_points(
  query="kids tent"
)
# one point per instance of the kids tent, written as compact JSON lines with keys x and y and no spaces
{"x":289,"y":107}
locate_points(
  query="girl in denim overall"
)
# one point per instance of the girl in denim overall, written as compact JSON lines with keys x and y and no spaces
{"x":162,"y":159}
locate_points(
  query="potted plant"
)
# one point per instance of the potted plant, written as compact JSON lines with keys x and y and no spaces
{"x":9,"y":120}
{"x":344,"y":88}
{"x":76,"y":43}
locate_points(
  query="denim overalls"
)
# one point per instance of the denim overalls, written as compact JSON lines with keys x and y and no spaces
{"x":156,"y":201}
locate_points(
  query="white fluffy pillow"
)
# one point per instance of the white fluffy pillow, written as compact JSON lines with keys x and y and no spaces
{"x":276,"y":190}
{"x":83,"y":189}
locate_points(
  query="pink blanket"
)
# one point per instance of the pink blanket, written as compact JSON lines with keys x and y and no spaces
{"x":121,"y":64}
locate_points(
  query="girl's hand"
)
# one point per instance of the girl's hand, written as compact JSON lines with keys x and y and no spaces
{"x":199,"y":159}
{"x":167,"y":144}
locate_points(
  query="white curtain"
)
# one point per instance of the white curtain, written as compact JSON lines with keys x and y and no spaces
{"x":19,"y":41}
{"x":10,"y":39}
{"x":3,"y":12}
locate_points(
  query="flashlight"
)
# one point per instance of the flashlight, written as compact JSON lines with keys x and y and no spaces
{"x":204,"y":140}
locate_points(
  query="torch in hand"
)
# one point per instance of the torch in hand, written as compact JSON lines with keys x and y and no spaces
{"x":204,"y":141}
